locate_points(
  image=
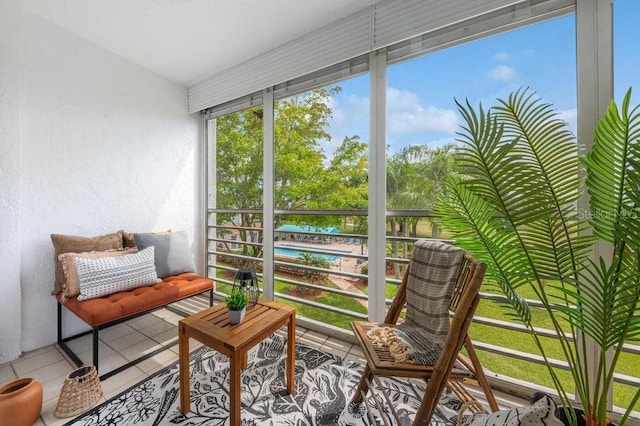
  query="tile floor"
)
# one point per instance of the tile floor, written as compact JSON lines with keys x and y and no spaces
{"x":125,"y":341}
{"x":128,"y":340}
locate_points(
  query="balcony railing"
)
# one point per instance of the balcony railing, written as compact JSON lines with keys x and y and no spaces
{"x":225,"y":258}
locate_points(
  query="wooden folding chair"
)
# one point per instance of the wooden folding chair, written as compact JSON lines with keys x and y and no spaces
{"x":451,"y":367}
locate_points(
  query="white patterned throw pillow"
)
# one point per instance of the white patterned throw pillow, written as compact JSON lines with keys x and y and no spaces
{"x":542,"y":412}
{"x":107,"y":275}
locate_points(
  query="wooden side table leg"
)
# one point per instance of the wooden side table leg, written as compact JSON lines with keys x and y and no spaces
{"x":291,"y":353}
{"x":185,"y":386}
{"x":234,"y":389}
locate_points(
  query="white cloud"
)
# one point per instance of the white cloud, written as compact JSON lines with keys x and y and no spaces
{"x":503,"y":73}
{"x":406,"y":114}
{"x":350,"y":118}
{"x":501,"y":56}
{"x":349,"y":109}
{"x":571,"y":117}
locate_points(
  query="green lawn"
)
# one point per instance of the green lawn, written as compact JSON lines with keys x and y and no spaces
{"x":330,"y":299}
{"x":536,"y":373}
{"x":522,"y":370}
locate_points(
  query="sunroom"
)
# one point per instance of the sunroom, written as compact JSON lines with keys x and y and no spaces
{"x":307,"y":142}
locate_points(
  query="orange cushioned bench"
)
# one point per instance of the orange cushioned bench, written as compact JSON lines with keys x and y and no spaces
{"x":115,"y":308}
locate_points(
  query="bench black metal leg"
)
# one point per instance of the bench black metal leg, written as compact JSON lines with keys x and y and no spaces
{"x":63,"y":342}
{"x":95,"y":347}
{"x":162,"y":348}
{"x":59,"y":322}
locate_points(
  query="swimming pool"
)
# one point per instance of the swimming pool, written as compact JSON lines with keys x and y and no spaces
{"x":289,"y":250}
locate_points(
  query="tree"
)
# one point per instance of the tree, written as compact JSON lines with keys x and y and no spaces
{"x":345,"y":181}
{"x":300,"y":123}
{"x":432,"y":168}
{"x":239,"y":150}
{"x":346,"y":177}
{"x":415,"y":180}
{"x":301,"y":180}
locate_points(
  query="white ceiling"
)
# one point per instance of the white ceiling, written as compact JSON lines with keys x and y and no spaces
{"x":188,"y":40}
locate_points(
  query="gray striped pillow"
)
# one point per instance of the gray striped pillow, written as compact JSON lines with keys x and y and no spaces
{"x":107,"y":275}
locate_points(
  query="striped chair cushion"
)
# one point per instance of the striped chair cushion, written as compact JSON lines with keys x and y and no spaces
{"x":432,"y":278}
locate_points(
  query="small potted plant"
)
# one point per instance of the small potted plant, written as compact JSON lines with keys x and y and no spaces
{"x":237,"y":305}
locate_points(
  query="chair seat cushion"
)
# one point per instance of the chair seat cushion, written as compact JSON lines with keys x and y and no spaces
{"x":103,"y":310}
{"x":407,"y":344}
{"x":384,"y":363}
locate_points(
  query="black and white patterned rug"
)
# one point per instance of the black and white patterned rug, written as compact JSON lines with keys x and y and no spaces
{"x":323,"y":391}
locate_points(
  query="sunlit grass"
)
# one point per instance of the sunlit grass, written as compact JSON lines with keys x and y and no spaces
{"x":329,"y":299}
{"x":503,"y":365}
{"x":521,"y":341}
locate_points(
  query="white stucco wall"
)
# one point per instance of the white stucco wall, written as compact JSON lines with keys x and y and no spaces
{"x":10,"y":313}
{"x":103,"y":145}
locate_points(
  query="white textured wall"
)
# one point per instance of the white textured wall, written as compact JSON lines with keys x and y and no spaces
{"x":103,"y":145}
{"x":10,"y":316}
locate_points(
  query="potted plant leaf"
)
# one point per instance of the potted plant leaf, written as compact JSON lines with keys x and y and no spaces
{"x":237,"y":305}
{"x":517,"y":204}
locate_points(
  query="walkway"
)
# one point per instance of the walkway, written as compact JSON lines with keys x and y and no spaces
{"x":348,"y":286}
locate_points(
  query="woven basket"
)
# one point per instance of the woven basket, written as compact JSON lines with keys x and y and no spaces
{"x":81,"y":390}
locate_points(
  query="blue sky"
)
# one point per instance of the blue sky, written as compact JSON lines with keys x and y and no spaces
{"x":421,"y":91}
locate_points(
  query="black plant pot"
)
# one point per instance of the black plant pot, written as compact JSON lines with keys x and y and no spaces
{"x":562,"y":416}
{"x":560,"y":413}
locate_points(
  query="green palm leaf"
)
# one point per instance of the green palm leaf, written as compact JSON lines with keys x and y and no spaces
{"x":515,"y":207}
{"x":612,"y":179}
{"x":478,"y":231}
{"x":606,"y":302}
{"x":550,"y":160}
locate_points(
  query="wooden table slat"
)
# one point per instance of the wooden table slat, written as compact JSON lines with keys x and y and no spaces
{"x":212,"y":328}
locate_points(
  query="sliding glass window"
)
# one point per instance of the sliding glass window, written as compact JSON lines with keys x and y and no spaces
{"x":235,"y":233}
{"x":422,"y":122}
{"x":626,"y":63}
{"x":320,"y":179}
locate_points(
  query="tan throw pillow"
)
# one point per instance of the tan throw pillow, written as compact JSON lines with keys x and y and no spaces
{"x":128,"y":241}
{"x":71,"y":286}
{"x":76,"y":244}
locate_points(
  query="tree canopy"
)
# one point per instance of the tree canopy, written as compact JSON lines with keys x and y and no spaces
{"x":305,"y":178}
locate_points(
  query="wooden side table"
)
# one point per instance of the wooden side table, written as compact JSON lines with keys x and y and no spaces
{"x":211,"y":327}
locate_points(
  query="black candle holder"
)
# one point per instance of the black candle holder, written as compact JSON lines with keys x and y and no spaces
{"x":246,"y":281}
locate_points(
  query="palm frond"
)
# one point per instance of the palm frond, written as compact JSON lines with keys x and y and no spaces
{"x":488,"y":162}
{"x":612,"y":178}
{"x":550,"y":158}
{"x":608,"y":304}
{"x":515,"y":206}
{"x":481,"y":233}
